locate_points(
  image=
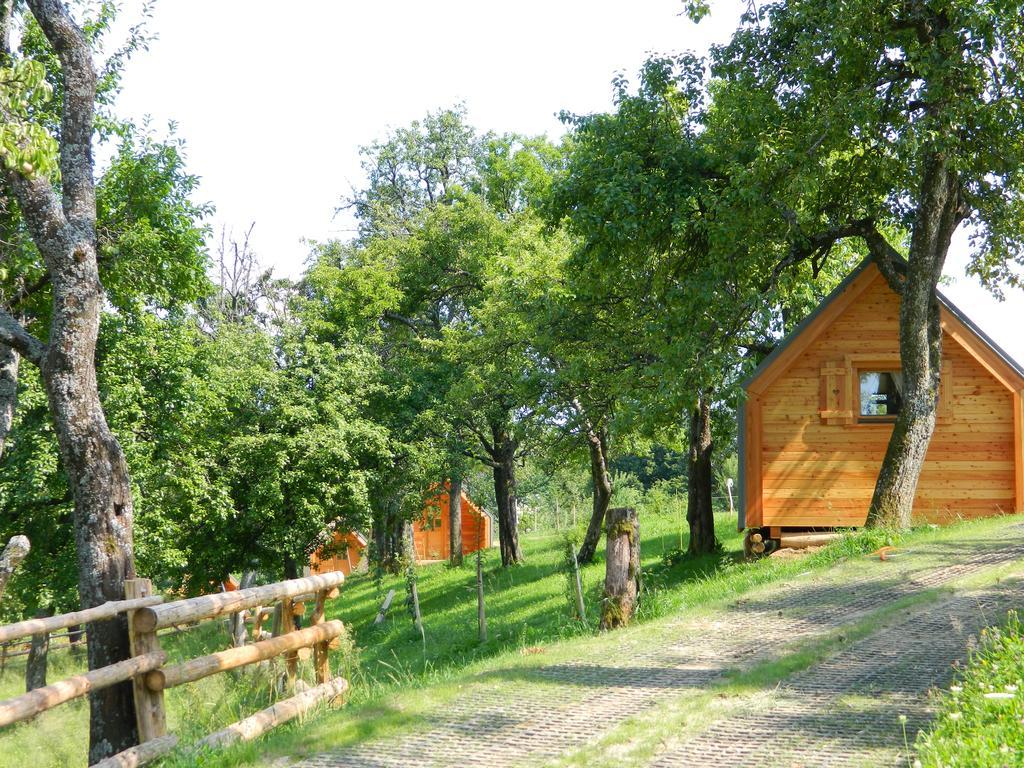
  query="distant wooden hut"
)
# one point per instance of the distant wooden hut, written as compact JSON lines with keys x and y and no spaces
{"x":432,"y":532}
{"x":819,"y":413}
{"x":346,"y":550}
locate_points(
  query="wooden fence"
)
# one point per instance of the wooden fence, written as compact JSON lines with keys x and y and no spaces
{"x":151,"y":675}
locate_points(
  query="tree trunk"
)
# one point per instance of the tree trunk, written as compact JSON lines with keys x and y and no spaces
{"x":505,"y":496}
{"x":597,"y":442}
{"x":64,"y":230}
{"x":387,"y":532}
{"x":455,"y":521}
{"x":622,"y":568}
{"x":9,"y":362}
{"x":700,"y":514}
{"x":17,"y":549}
{"x":35,"y":666}
{"x":940,"y":211}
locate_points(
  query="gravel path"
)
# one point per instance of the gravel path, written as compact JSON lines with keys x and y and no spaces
{"x":842,"y":711}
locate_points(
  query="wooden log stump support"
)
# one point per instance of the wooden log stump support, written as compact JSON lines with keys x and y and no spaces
{"x":622,"y":567}
{"x":321,"y":663}
{"x":150,"y":714}
{"x":291,"y":658}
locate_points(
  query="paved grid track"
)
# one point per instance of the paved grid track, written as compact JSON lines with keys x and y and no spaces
{"x":531,"y":717}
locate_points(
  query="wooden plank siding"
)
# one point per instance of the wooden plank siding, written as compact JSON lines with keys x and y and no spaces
{"x":808,"y":463}
{"x":432,"y":532}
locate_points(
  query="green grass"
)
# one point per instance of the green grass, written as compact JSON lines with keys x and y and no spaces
{"x":397,"y":682}
{"x":981,"y":717}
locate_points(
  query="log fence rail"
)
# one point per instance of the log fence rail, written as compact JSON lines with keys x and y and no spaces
{"x":150,"y":673}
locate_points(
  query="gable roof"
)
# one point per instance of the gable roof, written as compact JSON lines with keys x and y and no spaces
{"x":956,"y":323}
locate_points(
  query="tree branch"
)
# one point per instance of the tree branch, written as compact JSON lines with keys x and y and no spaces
{"x":886,"y":257}
{"x":76,"y":164}
{"x":14,"y":335}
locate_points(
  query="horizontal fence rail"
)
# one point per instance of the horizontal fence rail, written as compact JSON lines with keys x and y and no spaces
{"x":150,"y":674}
{"x":65,"y":620}
{"x":209,"y":606}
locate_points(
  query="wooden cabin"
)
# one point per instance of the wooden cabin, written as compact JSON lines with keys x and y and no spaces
{"x":432,"y":532}
{"x":344,"y":552}
{"x":347,"y":549}
{"x":819,"y":411}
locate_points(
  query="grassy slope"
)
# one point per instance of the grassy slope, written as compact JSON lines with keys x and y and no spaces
{"x":981,"y":717}
{"x":396,"y":683}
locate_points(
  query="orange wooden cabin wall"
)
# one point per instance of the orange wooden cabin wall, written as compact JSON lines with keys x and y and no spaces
{"x":805,"y":468}
{"x":346,"y":553}
{"x":431,"y":533}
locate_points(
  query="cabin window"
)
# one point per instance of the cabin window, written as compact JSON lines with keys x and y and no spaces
{"x":881,"y":395}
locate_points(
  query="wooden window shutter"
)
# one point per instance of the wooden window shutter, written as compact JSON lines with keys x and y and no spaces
{"x":835,"y":404}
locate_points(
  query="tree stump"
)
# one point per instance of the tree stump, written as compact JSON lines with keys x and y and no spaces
{"x":622,"y":567}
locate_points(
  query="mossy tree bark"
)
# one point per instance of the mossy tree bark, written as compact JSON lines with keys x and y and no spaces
{"x":622,"y":568}
{"x":597,"y":443}
{"x":940,"y":210}
{"x":63,"y":229}
{"x":700,"y":515}
{"x":504,"y":466}
{"x":455,"y":521}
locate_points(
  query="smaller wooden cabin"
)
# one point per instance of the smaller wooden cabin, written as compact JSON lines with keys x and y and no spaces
{"x":432,"y":532}
{"x":819,"y":413}
{"x":344,"y":552}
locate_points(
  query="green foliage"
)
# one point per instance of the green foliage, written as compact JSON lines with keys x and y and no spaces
{"x":829,"y":113}
{"x":25,"y":145}
{"x":979,"y":720}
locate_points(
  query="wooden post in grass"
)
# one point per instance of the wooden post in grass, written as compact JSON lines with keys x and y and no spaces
{"x":414,"y":594}
{"x":581,"y":610}
{"x":384,"y":607}
{"x":622,"y":567}
{"x":320,"y":661}
{"x":291,"y":658}
{"x":481,"y":615}
{"x":149,"y":705}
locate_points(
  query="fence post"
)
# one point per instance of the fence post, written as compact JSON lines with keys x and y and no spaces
{"x":291,"y":658}
{"x":149,"y":705}
{"x":320,"y":662}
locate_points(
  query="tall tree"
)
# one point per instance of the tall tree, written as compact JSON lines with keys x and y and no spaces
{"x":63,"y":228}
{"x":892,"y":124}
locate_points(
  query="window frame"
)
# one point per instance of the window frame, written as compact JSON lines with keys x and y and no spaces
{"x":858,"y":370}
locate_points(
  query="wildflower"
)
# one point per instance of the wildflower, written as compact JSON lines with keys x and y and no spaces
{"x":917,"y":764}
{"x":1004,"y":749}
{"x":903,"y":718}
{"x":955,"y":688}
{"x":955,"y":715}
{"x":999,"y":696}
{"x":1010,"y":689}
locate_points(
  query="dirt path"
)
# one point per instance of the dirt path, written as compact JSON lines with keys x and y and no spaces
{"x":841,"y":711}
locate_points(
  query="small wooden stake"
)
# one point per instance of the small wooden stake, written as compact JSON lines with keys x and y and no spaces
{"x":581,"y":609}
{"x":384,"y":607}
{"x":149,"y":705}
{"x":481,"y":615}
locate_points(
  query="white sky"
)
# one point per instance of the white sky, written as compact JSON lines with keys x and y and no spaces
{"x":274,"y":105}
